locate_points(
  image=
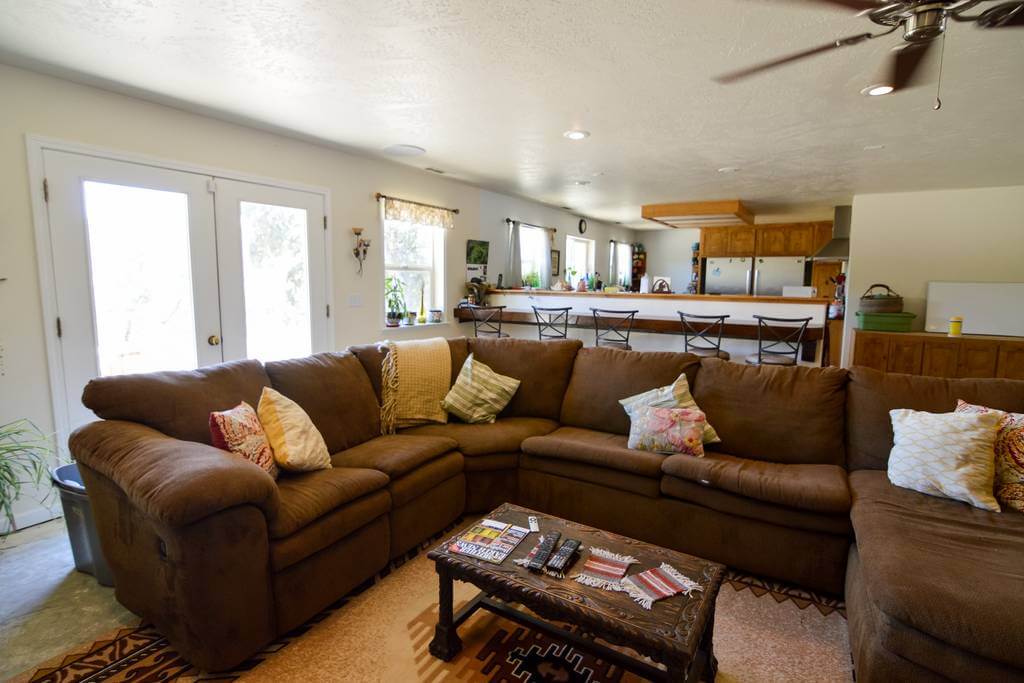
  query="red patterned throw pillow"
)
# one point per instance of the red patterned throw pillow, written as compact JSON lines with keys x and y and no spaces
{"x":239,"y":430}
{"x":1009,"y":453}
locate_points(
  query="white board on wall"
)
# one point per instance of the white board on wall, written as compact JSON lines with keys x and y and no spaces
{"x":986,"y":307}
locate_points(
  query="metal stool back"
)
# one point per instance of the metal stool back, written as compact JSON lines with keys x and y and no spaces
{"x":487,"y":321}
{"x":612,"y":328}
{"x":552,"y":323}
{"x":702,"y":334}
{"x":778,"y":340}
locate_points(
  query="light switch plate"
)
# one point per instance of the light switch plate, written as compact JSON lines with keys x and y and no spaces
{"x":355,"y":300}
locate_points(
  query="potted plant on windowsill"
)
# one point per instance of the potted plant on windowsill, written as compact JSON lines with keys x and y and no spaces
{"x":394,"y":300}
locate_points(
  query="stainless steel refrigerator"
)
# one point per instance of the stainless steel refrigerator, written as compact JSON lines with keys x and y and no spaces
{"x":727,"y":275}
{"x":773,"y":273}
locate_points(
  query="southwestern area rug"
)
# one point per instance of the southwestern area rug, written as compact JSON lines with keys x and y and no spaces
{"x":764,"y":631}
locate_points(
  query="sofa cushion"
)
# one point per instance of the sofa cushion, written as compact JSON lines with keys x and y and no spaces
{"x":371,"y":357}
{"x":593,"y":474}
{"x":425,"y":478}
{"x":942,"y":567}
{"x":814,"y":488}
{"x":328,"y":529}
{"x":543,"y":367}
{"x":394,"y":454}
{"x":592,"y":447}
{"x":177,"y":403}
{"x":737,"y":505}
{"x":872,"y":394}
{"x":603,"y":376}
{"x":787,"y":415}
{"x":335,"y":392}
{"x":307,"y":496}
{"x":505,"y":435}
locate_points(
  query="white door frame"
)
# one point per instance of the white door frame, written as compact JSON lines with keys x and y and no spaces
{"x":34,"y":146}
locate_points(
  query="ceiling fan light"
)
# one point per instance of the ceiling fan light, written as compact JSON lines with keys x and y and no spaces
{"x":877,"y":90}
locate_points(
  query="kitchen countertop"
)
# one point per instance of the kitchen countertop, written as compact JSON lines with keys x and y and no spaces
{"x":700,"y":297}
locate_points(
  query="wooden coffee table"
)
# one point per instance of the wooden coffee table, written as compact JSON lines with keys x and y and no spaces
{"x":677,"y":632}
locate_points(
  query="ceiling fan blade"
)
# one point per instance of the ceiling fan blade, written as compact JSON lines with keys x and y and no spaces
{"x":905,"y":64}
{"x":734,"y":76}
{"x":1007,"y":15}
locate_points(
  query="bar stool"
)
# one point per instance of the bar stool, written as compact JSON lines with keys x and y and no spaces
{"x":617,"y":325}
{"x":487,"y":320}
{"x":778,"y":340}
{"x":702,"y":334}
{"x":552,"y":323}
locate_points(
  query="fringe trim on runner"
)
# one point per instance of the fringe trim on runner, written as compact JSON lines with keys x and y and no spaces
{"x":686,"y":586}
{"x":389,"y":390}
{"x":602,"y":582}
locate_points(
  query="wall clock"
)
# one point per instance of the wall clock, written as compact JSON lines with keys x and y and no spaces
{"x":583,"y":226}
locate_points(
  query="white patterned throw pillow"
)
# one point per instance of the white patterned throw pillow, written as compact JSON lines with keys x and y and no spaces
{"x":675,"y":395}
{"x":950,"y":455}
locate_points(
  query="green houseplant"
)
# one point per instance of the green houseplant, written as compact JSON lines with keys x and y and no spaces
{"x":24,"y":454}
{"x":394,"y":300}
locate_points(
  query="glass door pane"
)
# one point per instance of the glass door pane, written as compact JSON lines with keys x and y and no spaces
{"x":275,"y":281}
{"x":141,"y":278}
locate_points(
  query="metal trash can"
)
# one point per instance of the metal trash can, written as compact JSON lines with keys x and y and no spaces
{"x":85,"y":543}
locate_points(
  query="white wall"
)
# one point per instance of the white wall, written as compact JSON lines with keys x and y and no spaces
{"x":43,"y":105}
{"x":907,"y":239}
{"x":495,"y":208}
{"x":670,"y":253}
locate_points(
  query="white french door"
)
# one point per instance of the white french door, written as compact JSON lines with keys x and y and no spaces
{"x":163,"y":269}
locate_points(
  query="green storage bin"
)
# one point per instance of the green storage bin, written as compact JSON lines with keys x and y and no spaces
{"x":885,"y":322}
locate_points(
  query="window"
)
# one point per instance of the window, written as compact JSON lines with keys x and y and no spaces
{"x":620,"y":264}
{"x":579,"y":258}
{"x":414,"y":257}
{"x":533,"y":248}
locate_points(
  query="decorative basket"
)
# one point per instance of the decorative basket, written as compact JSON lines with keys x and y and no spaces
{"x":890,"y":302}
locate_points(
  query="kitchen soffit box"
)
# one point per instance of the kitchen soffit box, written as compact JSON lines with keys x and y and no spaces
{"x":698,"y":214}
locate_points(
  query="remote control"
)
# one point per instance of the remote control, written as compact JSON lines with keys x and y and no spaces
{"x":544,"y":552}
{"x":533,"y":523}
{"x":561,"y":559}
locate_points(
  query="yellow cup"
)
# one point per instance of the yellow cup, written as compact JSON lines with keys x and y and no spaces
{"x":956,"y":326}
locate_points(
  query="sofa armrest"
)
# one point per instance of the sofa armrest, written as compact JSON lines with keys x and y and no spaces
{"x":173,"y":481}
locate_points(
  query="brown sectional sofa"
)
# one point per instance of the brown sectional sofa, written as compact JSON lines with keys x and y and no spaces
{"x":223,"y":559}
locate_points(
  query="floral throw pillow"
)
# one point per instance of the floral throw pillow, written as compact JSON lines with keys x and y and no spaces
{"x":1009,"y":454}
{"x":675,"y":395}
{"x":668,"y":430}
{"x":239,"y":431}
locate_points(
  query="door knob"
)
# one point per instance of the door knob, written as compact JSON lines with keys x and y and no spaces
{"x":213,"y":340}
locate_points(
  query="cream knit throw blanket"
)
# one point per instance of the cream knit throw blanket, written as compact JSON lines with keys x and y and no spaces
{"x":416,"y":376}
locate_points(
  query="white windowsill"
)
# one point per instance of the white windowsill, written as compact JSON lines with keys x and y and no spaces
{"x":443,"y":323}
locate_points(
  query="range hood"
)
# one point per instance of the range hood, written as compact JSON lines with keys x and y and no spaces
{"x":838,"y":248}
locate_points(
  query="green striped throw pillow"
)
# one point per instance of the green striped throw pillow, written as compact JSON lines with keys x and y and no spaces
{"x":479,"y":393}
{"x":676,"y":395}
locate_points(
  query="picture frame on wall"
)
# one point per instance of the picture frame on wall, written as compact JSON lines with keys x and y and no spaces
{"x":477,"y":252}
{"x":556,"y":262}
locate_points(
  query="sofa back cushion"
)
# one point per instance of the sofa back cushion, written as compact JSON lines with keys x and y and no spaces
{"x":335,"y":392}
{"x":371,"y":356}
{"x":542,"y":367}
{"x":177,"y":403}
{"x":785,"y":415}
{"x":603,"y":376}
{"x":872,"y":394}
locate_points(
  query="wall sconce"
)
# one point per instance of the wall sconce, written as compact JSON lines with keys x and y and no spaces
{"x":362,"y":246}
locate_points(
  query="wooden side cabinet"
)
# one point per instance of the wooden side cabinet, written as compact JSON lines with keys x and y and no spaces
{"x":936,"y":355}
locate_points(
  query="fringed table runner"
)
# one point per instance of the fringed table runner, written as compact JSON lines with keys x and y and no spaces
{"x":654,"y":584}
{"x":604,"y":569}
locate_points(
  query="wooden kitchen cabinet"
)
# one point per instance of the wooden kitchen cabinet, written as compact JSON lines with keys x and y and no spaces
{"x":822,"y":235}
{"x":978,"y":359}
{"x":800,"y":240}
{"x":905,"y":355}
{"x":822,"y":275}
{"x":714,"y":242}
{"x":871,"y":350}
{"x":771,"y":240}
{"x":936,"y":355}
{"x":1011,"y":360}
{"x":940,"y":358}
{"x":742,"y":240}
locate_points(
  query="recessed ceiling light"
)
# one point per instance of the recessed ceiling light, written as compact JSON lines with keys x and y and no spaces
{"x":577,"y":134}
{"x":404,"y":150}
{"x":729,"y":169}
{"x":581,"y":182}
{"x":873,"y":148}
{"x":877,"y":90}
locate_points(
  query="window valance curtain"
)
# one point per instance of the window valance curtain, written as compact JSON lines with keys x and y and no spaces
{"x":419,"y":214}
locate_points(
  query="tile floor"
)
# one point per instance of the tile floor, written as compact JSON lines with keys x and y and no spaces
{"x":46,"y":606}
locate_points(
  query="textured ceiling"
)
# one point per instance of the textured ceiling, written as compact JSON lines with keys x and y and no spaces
{"x":488,"y":88}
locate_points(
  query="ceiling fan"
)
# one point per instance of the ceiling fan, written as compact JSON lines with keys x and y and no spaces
{"x":922,"y":21}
